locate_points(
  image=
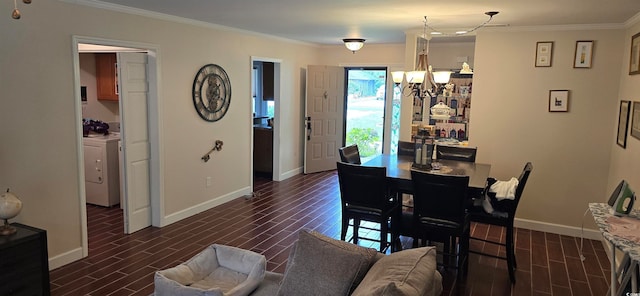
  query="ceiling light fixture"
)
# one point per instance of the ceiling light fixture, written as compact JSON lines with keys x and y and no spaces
{"x":353,"y":44}
{"x":16,"y":13}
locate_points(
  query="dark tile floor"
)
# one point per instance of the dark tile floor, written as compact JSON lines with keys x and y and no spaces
{"x":118,"y":264}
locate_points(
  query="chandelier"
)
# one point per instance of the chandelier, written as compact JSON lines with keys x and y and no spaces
{"x":16,"y":13}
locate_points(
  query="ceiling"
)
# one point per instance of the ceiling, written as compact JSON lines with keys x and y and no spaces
{"x":382,"y":21}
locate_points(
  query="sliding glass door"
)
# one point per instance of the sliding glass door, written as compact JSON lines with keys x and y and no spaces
{"x":365,"y":109}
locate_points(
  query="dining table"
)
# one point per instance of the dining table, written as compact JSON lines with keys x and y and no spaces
{"x":399,"y":170}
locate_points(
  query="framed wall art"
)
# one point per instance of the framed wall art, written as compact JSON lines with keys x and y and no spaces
{"x":634,"y":58}
{"x":558,"y":100}
{"x":544,"y":53}
{"x":623,"y":123}
{"x":635,"y":120}
{"x":584,"y":54}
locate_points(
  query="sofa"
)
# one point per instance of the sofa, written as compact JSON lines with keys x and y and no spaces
{"x":317,"y":265}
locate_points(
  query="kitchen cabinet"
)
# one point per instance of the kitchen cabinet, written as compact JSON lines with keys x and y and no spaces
{"x":107,"y":76}
{"x":267,"y":81}
{"x":263,"y":149}
{"x":24,"y":262}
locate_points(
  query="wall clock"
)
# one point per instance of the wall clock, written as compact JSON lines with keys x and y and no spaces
{"x":211,"y":92}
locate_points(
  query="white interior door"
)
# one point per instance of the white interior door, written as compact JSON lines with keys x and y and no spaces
{"x":324,"y":117}
{"x":132,"y":75}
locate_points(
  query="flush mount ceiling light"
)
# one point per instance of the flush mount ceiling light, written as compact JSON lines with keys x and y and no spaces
{"x":353,"y":44}
{"x":463,"y":32}
{"x":16,"y":13}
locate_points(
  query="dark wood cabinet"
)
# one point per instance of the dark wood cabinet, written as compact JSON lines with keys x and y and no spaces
{"x":268,"y":81}
{"x":107,"y":76}
{"x":262,"y":149}
{"x":24,"y":262}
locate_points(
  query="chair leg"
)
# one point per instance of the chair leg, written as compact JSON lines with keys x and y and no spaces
{"x":345,"y":227}
{"x":384,"y":231}
{"x":511,"y":257}
{"x":356,"y":225}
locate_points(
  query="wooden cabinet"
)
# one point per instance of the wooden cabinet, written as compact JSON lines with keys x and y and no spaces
{"x":262,"y":149}
{"x":267,"y":81}
{"x":107,"y":76}
{"x":24,"y":262}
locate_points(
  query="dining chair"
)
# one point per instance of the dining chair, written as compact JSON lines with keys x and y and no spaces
{"x":507,"y":209}
{"x":456,"y":153}
{"x":350,"y":154}
{"x":439,"y":214}
{"x":365,"y":195}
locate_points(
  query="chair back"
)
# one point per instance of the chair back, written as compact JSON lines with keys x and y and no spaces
{"x":441,"y":197}
{"x":406,"y":148}
{"x":350,"y":154}
{"x":456,"y":153}
{"x":522,"y":181}
{"x":363,"y":186}
{"x":510,"y":206}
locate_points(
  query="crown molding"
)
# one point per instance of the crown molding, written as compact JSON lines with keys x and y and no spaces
{"x":632,"y":21}
{"x":176,"y":19}
{"x":549,"y":28}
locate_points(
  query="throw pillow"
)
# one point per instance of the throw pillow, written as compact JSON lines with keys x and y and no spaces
{"x":324,"y":266}
{"x":408,"y":272}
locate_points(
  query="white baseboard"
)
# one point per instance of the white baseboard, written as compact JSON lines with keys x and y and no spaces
{"x":290,"y":174}
{"x":558,"y":229}
{"x":65,"y":258}
{"x":186,"y":213}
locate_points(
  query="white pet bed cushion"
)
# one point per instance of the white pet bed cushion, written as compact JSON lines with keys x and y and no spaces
{"x":217,"y":271}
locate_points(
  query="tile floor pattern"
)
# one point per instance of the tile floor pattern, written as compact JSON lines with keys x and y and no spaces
{"x":118,"y":264}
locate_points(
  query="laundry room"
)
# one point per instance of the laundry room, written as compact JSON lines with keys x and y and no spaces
{"x":101,"y":128}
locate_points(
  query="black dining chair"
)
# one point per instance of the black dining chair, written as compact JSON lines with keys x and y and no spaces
{"x":456,"y":153}
{"x":350,"y":154}
{"x":507,"y":210}
{"x":366,"y":196}
{"x":439,"y":214}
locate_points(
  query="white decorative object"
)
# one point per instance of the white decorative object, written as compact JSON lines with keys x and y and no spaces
{"x":10,"y":206}
{"x":440,"y":111}
{"x":466,"y":69}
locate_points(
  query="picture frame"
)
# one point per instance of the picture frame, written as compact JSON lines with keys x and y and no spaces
{"x":623,"y":123}
{"x":544,"y":53}
{"x":634,"y":56}
{"x":635,"y":120}
{"x":583,"y":54}
{"x":558,"y":100}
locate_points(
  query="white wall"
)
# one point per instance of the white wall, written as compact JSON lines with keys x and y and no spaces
{"x":624,"y":161}
{"x":570,"y":151}
{"x":38,"y":153}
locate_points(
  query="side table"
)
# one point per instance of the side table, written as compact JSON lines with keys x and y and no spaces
{"x":24,"y":262}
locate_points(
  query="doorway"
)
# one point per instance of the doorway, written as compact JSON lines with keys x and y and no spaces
{"x":365,"y":110}
{"x":265,"y":131}
{"x":146,"y":101}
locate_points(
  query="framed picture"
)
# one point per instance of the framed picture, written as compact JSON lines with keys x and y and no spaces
{"x":634,"y":58}
{"x":558,"y":100}
{"x":584,"y":54}
{"x":544,"y":52}
{"x":635,"y":121}
{"x":623,"y":123}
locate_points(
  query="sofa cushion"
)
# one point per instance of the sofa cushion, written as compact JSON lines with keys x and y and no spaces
{"x":324,"y":266}
{"x":408,"y":272}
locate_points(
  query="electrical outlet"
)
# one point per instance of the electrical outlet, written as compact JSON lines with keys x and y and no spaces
{"x":208,"y":181}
